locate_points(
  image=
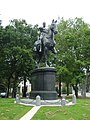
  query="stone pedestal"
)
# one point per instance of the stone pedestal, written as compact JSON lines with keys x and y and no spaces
{"x":43,"y":83}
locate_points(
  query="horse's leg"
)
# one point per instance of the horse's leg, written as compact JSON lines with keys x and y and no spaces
{"x":46,"y":61}
{"x":54,"y":50}
{"x":40,"y":53}
{"x":37,"y":62}
{"x":39,"y":59}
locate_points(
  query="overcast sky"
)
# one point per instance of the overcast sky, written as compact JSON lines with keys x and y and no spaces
{"x":38,"y":11}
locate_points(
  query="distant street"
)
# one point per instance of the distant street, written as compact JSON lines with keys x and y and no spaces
{"x":79,"y":93}
{"x":87,"y":94}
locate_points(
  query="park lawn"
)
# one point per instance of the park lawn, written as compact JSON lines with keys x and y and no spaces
{"x":80,"y":111}
{"x":11,"y":111}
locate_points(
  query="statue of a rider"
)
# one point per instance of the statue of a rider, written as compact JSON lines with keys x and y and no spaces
{"x":45,"y":41}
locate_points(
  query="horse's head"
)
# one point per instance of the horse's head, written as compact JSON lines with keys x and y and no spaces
{"x":53,"y":26}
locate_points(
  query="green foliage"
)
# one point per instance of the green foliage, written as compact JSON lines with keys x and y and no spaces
{"x":16,"y":50}
{"x":73,"y":46}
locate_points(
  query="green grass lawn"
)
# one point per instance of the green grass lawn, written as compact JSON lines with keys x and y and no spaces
{"x":80,"y":111}
{"x":11,"y":111}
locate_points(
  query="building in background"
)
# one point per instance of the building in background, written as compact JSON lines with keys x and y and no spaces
{"x":21,"y":87}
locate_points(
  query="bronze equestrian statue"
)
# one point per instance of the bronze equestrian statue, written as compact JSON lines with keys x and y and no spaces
{"x":45,"y":42}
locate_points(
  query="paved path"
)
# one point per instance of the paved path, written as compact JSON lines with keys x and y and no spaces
{"x":31,"y":113}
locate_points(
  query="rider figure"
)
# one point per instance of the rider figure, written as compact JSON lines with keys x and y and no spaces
{"x":42,"y":38}
{"x":44,"y":33}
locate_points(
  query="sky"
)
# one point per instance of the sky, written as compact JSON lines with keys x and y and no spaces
{"x":39,"y":11}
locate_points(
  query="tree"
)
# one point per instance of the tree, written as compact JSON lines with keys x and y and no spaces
{"x":72,"y":46}
{"x":17,"y":52}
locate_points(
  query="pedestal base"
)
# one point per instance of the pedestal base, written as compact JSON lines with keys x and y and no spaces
{"x":43,"y":83}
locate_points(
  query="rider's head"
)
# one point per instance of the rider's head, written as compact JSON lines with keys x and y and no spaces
{"x":44,"y":24}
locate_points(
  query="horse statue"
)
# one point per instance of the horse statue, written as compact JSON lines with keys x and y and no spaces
{"x":45,"y":42}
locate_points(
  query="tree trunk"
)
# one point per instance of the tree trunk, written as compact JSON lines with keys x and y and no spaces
{"x":59,"y":88}
{"x":14,"y":90}
{"x":67,"y":89}
{"x":84,"y":88}
{"x":8,"y":87}
{"x":25,"y":88}
{"x":76,"y":90}
{"x":14,"y":86}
